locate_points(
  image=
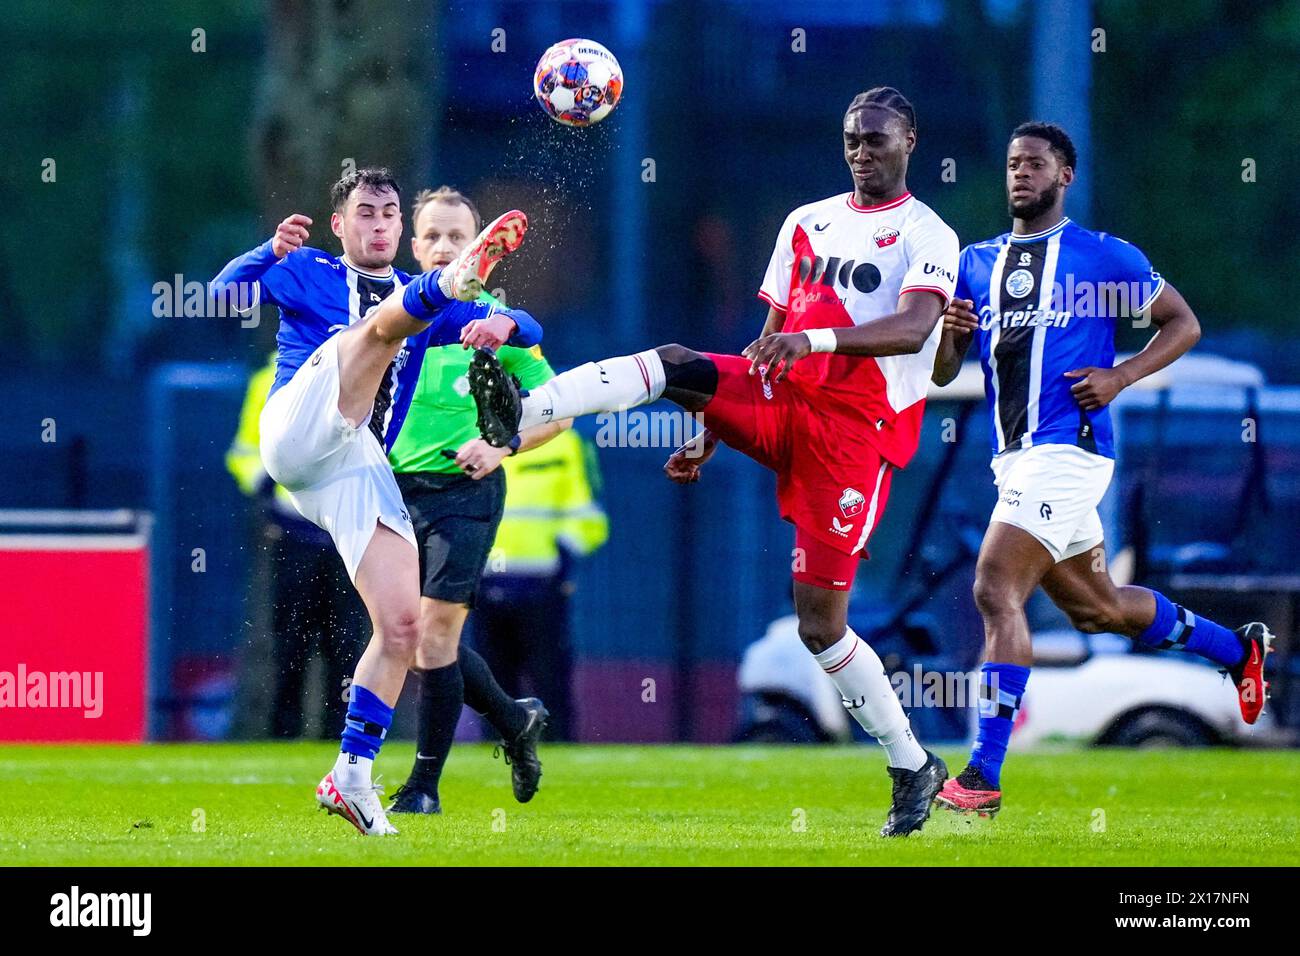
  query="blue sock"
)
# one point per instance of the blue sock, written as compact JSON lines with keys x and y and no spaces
{"x":422,"y":298}
{"x":1179,"y":629}
{"x":368,"y":721}
{"x":1001,"y":688}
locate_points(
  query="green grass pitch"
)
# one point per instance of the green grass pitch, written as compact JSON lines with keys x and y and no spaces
{"x":252,"y":804}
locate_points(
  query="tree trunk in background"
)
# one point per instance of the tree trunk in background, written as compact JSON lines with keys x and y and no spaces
{"x":345,"y":82}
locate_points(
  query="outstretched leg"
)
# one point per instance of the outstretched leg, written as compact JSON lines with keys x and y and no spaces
{"x":1081,"y":586}
{"x":669,"y":371}
{"x":367,"y":348}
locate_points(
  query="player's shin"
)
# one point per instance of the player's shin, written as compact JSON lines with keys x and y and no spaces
{"x":1002,"y":687}
{"x":860,"y":677}
{"x":364,"y":731}
{"x":605,"y":386}
{"x":1174,"y":627}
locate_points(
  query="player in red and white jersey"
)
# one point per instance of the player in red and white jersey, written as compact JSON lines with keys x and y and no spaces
{"x":840,"y":264}
{"x":830,"y":397}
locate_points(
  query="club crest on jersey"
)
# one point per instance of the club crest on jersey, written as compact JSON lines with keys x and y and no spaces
{"x":851,"y":502}
{"x":1020,"y":283}
{"x":885,"y":236}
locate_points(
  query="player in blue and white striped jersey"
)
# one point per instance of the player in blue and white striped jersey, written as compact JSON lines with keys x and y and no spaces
{"x":1042,"y":301}
{"x":353,"y":332}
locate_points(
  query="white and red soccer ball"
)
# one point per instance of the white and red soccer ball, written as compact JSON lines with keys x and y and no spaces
{"x":578,"y":82}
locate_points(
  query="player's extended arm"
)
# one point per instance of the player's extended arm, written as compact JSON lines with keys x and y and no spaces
{"x":478,"y":459}
{"x":1177,"y":330}
{"x":290,"y":235}
{"x":901,"y":333}
{"x":539,"y":435}
{"x":959,"y":325}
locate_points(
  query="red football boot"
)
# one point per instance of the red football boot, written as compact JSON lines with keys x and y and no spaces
{"x":1248,"y":675}
{"x":969,"y":792}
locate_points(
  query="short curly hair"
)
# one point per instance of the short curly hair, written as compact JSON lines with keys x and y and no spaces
{"x":1057,"y":138}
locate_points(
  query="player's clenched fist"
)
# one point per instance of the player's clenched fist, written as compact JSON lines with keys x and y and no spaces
{"x":683,"y":465}
{"x":1097,"y":387}
{"x":777,"y":353}
{"x":491,"y":332}
{"x":959,"y":317}
{"x":290,"y":235}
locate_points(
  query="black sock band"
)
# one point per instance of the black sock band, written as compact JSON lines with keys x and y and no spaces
{"x":442,"y":694}
{"x":484,"y":694}
{"x":697,"y":375}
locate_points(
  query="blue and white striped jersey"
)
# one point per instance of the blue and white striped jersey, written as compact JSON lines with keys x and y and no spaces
{"x":1048,"y":303}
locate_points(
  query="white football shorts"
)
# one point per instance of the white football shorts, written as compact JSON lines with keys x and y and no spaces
{"x":337,"y":476}
{"x":1052,"y":492}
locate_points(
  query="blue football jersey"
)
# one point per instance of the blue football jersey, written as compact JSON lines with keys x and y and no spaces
{"x":319,"y":294}
{"x":1047,"y":304}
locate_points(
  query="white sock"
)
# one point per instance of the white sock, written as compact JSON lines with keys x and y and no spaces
{"x":860,"y":676}
{"x":605,"y":386}
{"x":352,"y":772}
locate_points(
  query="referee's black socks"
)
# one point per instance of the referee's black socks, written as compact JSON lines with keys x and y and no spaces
{"x":484,"y":694}
{"x":442,"y":693}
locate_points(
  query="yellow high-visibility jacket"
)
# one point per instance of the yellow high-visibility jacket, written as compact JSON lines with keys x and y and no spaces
{"x":550,"y":503}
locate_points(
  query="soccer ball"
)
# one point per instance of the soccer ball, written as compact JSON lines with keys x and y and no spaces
{"x":578,"y":82}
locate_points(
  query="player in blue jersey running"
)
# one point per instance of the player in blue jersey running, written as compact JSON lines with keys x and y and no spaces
{"x":353,"y":332}
{"x":1042,"y":301}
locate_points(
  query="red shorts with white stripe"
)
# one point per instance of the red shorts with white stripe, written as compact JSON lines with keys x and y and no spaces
{"x":832,"y":484}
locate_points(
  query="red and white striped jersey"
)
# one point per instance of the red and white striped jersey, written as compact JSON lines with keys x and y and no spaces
{"x":837,"y":264}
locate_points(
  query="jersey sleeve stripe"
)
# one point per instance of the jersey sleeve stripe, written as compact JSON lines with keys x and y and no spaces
{"x":772,"y":302}
{"x":1160,"y":287}
{"x":941,"y":293}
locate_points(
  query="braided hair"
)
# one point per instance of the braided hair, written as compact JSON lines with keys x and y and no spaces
{"x":888,"y":98}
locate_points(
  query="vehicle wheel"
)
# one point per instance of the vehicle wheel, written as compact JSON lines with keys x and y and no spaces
{"x":1159,"y":728}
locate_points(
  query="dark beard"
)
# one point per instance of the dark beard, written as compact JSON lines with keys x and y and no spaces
{"x":1046,"y":199}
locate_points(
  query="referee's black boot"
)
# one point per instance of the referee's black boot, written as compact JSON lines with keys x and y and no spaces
{"x":409,"y":799}
{"x":521,"y":753}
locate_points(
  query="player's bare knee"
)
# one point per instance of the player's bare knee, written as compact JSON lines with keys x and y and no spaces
{"x":992,"y":596}
{"x":400,"y":634}
{"x":819,"y":634}
{"x":687,"y":372}
{"x":674,"y":354}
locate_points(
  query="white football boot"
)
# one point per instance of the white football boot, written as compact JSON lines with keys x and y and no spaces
{"x":362,"y":808}
{"x":464,"y":276}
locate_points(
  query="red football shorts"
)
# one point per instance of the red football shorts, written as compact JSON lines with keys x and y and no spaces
{"x":831,"y":484}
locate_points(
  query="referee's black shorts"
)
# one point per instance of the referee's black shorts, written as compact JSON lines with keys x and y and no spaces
{"x":455,"y":519}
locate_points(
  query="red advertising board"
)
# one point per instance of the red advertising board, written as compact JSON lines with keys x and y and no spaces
{"x":73,"y":636}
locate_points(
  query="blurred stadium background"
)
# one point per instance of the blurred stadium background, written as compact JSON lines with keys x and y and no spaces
{"x":143,"y":155}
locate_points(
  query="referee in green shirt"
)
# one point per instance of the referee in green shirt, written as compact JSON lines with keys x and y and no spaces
{"x":455,"y":492}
